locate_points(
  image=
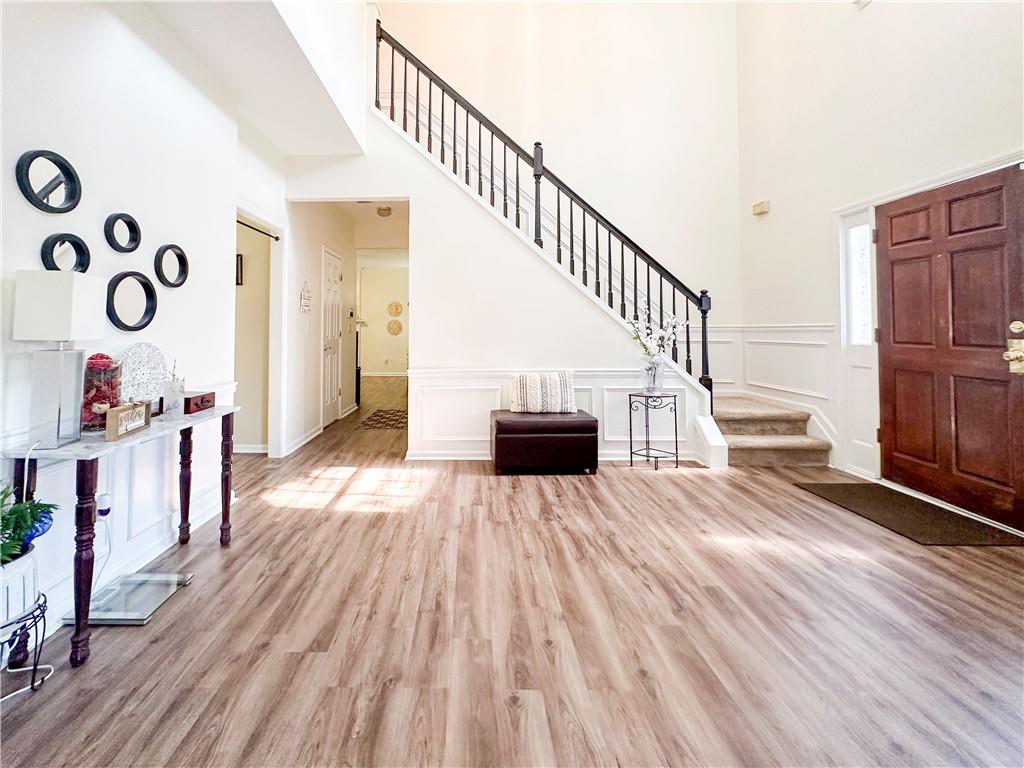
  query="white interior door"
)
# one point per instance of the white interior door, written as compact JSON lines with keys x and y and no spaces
{"x":331,"y":385}
{"x":860,"y":448}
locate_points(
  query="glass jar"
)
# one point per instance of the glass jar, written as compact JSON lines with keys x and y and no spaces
{"x":102,"y":391}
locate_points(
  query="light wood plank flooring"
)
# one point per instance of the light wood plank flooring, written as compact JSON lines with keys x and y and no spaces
{"x":376,"y":612}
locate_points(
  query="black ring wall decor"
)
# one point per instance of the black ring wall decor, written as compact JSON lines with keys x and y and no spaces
{"x":51,"y":243}
{"x":158,"y":265}
{"x":134,"y":233}
{"x":67,"y":177}
{"x":148,"y":289}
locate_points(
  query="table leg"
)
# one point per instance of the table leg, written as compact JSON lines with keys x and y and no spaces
{"x":227,"y":430}
{"x":185,"y":484}
{"x":631,"y":431}
{"x":85,"y":521}
{"x":24,"y":480}
{"x":675,"y":427}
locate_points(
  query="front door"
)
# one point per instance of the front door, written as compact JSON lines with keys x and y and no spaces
{"x":950,"y":284}
{"x":332,"y":336}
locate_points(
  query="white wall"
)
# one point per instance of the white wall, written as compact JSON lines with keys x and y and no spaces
{"x":380,"y":351}
{"x":635,"y":106}
{"x":252,"y":340}
{"x":311,"y":227}
{"x":838,"y":105}
{"x":113,"y":103}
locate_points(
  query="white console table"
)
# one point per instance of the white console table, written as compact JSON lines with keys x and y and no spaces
{"x":86,"y":453}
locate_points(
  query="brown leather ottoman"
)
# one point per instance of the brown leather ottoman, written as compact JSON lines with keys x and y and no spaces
{"x":559,"y":442}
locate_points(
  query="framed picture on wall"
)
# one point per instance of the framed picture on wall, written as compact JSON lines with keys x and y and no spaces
{"x":238,"y":269}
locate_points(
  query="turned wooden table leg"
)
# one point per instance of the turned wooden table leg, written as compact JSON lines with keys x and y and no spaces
{"x":227,"y":430}
{"x":85,"y":521}
{"x":185,"y":484}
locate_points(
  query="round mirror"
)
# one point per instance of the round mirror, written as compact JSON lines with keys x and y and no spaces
{"x":48,"y":181}
{"x":122,"y":232}
{"x":65,"y":251}
{"x":161,"y":263}
{"x":131,"y":295}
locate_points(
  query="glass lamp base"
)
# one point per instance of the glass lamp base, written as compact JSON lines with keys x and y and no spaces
{"x":56,"y":412}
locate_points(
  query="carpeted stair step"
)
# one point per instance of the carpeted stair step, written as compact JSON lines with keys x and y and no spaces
{"x":750,"y":416}
{"x":777,"y":450}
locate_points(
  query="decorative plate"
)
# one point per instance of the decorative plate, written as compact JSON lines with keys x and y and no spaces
{"x":143,"y":372}
{"x":394,"y":327}
{"x":395,"y":308}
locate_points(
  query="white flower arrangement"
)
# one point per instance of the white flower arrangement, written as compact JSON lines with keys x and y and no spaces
{"x":655,"y":340}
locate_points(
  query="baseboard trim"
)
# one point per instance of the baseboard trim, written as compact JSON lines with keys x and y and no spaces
{"x":296,"y":444}
{"x":250,"y":448}
{"x":603,"y":456}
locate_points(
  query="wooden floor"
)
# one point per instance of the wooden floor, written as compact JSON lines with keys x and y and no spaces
{"x":376,"y":612}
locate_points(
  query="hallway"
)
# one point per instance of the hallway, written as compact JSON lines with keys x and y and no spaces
{"x":376,"y":612}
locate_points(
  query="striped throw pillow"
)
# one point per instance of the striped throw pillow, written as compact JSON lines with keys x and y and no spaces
{"x":543,"y":392}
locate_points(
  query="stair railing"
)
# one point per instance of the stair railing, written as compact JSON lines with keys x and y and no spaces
{"x":498,"y":179}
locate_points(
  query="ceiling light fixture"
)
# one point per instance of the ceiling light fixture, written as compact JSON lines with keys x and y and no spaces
{"x":384,"y":211}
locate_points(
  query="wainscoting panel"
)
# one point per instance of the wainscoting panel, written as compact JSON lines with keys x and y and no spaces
{"x":449,"y":411}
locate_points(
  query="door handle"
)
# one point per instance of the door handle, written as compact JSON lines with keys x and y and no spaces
{"x":1017,"y":326}
{"x":1014,"y":355}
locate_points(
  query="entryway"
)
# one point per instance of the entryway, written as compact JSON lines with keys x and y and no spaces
{"x":950,"y":267}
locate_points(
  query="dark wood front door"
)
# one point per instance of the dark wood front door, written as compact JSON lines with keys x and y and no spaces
{"x":950,"y":282}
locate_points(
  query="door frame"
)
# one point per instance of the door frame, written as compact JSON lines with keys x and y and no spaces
{"x":867,"y":208}
{"x":325,"y":251}
{"x":276,"y":314}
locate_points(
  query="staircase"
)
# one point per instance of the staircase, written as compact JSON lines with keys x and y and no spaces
{"x":763,"y":434}
{"x":519,"y":187}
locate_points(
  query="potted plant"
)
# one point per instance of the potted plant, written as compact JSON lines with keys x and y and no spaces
{"x":20,"y":523}
{"x":654,"y":342}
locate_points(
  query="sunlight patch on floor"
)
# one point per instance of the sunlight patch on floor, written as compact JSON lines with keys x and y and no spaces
{"x":793,"y":549}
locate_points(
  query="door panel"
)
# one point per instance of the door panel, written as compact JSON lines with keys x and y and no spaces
{"x":950,"y":282}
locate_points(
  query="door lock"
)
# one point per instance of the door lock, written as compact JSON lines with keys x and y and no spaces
{"x":1014,"y":355}
{"x":1017,"y":326}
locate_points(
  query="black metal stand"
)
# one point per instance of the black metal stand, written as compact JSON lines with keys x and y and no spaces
{"x":33,"y":621}
{"x":652,"y":401}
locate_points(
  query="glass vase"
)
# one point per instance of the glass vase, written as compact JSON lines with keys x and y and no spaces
{"x":102,"y":391}
{"x":653,"y":367}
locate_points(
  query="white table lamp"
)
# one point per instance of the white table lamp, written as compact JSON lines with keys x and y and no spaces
{"x":57,"y":306}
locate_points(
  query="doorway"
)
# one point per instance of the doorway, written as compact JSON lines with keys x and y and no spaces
{"x":950,"y":266}
{"x":252,"y":337}
{"x":333,"y":275}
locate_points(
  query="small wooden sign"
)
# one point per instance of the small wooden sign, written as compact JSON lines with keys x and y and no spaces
{"x":126,"y":420}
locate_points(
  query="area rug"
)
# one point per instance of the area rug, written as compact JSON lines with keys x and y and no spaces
{"x":915,"y":519}
{"x":386,"y":418}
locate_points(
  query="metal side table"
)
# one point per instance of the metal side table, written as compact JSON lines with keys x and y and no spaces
{"x":653,"y":401}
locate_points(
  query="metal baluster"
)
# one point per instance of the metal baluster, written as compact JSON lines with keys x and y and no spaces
{"x":661,"y":300}
{"x":492,"y":169}
{"x":538,"y":171}
{"x":504,"y":179}
{"x":689,"y":362}
{"x":611,"y":280}
{"x":648,"y":292}
{"x":391,"y":98}
{"x":442,"y":126}
{"x":417,"y":118}
{"x":622,"y":280}
{"x":675,"y":352}
{"x":455,"y":137}
{"x":430,"y":114}
{"x":465,"y":160}
{"x":517,"y":190}
{"x":597,"y":260}
{"x":705,"y":377}
{"x":405,"y":94}
{"x":479,"y":161}
{"x":376,"y":74}
{"x":558,"y":224}
{"x":584,"y":228}
{"x":636,"y":310}
{"x":572,"y":241}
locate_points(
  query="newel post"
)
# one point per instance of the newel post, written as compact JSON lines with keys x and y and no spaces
{"x":705,"y":376}
{"x":538,"y":171}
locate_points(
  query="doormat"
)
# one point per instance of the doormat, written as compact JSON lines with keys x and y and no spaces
{"x":917,"y":520}
{"x":385,"y":419}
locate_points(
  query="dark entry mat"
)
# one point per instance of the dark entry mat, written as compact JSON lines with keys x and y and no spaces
{"x":918,"y":520}
{"x":385,"y":418}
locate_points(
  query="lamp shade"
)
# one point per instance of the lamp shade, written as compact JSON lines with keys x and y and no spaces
{"x":57,"y":305}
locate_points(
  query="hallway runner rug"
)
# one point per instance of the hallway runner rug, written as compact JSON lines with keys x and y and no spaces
{"x":386,"y":418}
{"x":918,"y":520}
